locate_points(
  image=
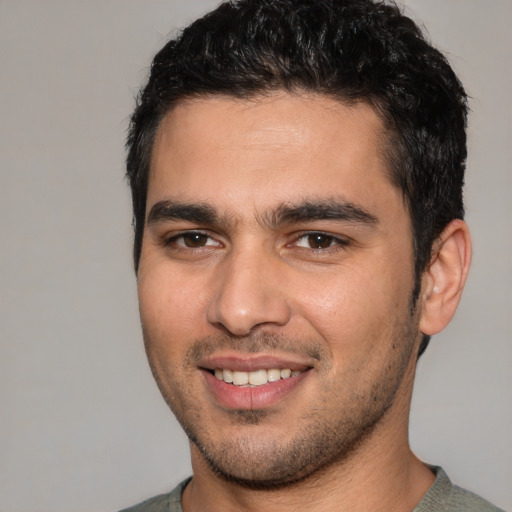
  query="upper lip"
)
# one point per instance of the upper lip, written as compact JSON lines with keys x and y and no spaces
{"x":252,"y":362}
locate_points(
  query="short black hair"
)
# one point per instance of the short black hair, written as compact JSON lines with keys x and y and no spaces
{"x":352,"y":50}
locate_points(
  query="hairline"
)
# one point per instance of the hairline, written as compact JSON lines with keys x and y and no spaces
{"x":387,"y":137}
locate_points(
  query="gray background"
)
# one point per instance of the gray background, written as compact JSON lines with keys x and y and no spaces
{"x":82,"y":425}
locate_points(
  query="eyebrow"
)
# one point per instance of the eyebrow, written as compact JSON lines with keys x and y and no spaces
{"x":304,"y":211}
{"x":331,"y":209}
{"x":167,"y":210}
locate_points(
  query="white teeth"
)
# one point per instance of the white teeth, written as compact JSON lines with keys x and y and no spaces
{"x":285,"y":373}
{"x":240,"y":378}
{"x":254,"y":378}
{"x":258,"y":377}
{"x":274,"y":374}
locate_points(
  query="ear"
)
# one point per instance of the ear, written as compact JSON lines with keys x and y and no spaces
{"x":445,"y":276}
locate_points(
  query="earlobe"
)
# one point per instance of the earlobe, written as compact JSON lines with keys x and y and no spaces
{"x":445,"y":276}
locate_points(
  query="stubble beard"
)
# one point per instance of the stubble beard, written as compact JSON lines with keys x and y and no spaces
{"x":321,"y":440}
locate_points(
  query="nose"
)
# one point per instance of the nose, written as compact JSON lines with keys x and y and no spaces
{"x":248,"y":293}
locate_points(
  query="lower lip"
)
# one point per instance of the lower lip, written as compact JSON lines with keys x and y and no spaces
{"x":249,"y":398}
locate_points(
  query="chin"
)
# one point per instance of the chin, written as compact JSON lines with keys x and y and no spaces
{"x":263,"y":462}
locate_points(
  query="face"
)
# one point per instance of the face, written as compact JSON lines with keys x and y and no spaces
{"x":275,"y":283}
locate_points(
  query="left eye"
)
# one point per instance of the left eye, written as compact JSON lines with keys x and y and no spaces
{"x":317,"y":241}
{"x":193,"y":240}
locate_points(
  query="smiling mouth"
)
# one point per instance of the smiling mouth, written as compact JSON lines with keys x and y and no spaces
{"x":254,"y":378}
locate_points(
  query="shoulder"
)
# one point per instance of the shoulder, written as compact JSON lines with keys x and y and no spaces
{"x":170,"y":502}
{"x":156,"y":504}
{"x":463,"y":500}
{"x":443,"y":496}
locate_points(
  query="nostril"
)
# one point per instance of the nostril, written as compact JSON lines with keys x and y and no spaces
{"x":247,"y":295}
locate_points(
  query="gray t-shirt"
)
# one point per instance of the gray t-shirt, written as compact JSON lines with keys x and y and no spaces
{"x":443,"y":496}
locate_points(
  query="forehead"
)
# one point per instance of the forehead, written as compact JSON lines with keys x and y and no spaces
{"x":278,"y":148}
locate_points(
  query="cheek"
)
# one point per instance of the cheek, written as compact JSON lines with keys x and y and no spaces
{"x":171,"y":307}
{"x":354,"y":310}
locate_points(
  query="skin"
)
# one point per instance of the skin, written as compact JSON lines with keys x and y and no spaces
{"x":232,"y":268}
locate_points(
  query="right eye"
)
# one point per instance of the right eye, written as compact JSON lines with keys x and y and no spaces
{"x":192,"y":240}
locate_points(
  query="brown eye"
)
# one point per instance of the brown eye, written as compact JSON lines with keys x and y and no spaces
{"x":193,"y":240}
{"x":192,"y":243}
{"x":319,"y":241}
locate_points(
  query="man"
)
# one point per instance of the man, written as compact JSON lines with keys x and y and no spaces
{"x":296,"y":170}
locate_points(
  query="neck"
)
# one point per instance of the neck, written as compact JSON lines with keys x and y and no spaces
{"x":381,"y":474}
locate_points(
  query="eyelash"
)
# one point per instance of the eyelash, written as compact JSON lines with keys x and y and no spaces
{"x":172,"y":241}
{"x":334,"y":243}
